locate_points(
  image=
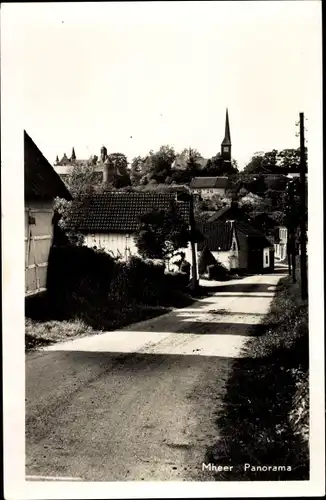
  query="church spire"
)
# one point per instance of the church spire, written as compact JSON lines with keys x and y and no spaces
{"x":226,"y":143}
{"x":227,"y":137}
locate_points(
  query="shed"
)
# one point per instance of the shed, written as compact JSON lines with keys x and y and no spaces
{"x":42,"y":186}
{"x":238,"y":246}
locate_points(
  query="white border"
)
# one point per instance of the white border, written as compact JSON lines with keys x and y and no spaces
{"x":13,"y":306}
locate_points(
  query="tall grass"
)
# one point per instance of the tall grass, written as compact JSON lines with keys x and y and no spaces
{"x":261,"y":422}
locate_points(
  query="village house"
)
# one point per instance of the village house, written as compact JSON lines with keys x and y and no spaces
{"x":207,"y":187}
{"x":109,"y":221}
{"x":238,"y":246}
{"x":42,"y":186}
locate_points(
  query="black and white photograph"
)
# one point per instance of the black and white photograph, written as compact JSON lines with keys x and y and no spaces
{"x":162,"y":249}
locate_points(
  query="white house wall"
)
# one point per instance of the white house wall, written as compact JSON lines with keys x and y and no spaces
{"x":210,"y":192}
{"x":118,"y":244}
{"x":38,"y":241}
{"x":229,"y":258}
{"x":224,"y":258}
{"x":123,"y":245}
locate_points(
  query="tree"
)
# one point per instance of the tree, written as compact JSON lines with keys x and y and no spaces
{"x":254,"y":164}
{"x":156,"y":167}
{"x":216,"y":166}
{"x":62,"y":211}
{"x":187,"y":154}
{"x":137,"y":170}
{"x":274,"y":162}
{"x":162,"y":233}
{"x":81,"y":179}
{"x":253,"y":204}
{"x":289,"y":160}
{"x":119,"y":164}
{"x":160,"y":163}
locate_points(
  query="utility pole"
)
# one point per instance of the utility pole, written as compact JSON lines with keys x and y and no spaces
{"x":294,"y":257}
{"x":291,"y":247}
{"x":194,"y":277}
{"x":303,"y":233}
{"x":288,"y":250}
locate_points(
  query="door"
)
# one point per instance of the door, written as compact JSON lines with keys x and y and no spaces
{"x":266,"y":257}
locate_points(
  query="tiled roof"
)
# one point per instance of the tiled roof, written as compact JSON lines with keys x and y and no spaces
{"x":209,"y":182}
{"x":218,"y":235}
{"x":118,"y":211}
{"x":257,"y":238}
{"x":41,"y":180}
{"x":248,"y":229}
{"x":229,"y":213}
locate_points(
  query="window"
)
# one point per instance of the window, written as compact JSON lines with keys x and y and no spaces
{"x":266,"y":258}
{"x":234,"y":247}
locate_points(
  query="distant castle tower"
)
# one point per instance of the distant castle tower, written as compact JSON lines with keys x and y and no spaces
{"x":73,"y":155}
{"x":226,"y":143}
{"x":104,"y":154}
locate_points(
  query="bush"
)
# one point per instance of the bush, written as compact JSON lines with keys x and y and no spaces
{"x":77,"y":276}
{"x":138,"y":280}
{"x":177,"y":281}
{"x":93,"y":286}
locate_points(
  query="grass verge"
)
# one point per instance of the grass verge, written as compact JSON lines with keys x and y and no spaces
{"x":42,"y":333}
{"x":264,"y":417}
{"x":43,"y":327}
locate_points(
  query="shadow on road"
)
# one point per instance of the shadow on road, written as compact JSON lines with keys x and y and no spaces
{"x":242,"y":287}
{"x":209,"y":327}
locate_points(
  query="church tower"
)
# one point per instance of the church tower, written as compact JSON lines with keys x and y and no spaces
{"x":226,"y":143}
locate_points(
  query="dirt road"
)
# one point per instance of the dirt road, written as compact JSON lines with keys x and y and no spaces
{"x":140,"y":403}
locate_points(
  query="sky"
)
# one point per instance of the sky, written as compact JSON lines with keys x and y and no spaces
{"x":135,"y":76}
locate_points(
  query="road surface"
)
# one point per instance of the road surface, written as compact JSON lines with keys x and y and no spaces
{"x":140,"y":403}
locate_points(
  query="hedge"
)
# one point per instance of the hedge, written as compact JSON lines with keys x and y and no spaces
{"x":81,"y":279}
